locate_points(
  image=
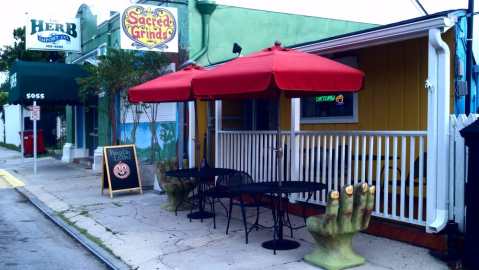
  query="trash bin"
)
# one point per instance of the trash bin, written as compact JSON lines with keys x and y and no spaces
{"x":28,"y":142}
{"x":471,"y":231}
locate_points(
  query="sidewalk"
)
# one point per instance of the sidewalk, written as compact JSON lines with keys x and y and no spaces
{"x":135,"y":229}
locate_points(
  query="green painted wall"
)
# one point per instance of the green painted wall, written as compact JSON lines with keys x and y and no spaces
{"x":104,"y":125}
{"x":70,"y":127}
{"x":256,"y":29}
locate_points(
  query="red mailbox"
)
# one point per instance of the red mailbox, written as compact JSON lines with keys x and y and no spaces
{"x":28,"y":142}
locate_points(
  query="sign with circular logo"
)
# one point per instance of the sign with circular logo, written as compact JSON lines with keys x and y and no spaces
{"x":121,"y":170}
{"x":151,"y":28}
{"x":340,"y":100}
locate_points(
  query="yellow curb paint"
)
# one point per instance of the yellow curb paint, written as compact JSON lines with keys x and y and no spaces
{"x":12,"y":180}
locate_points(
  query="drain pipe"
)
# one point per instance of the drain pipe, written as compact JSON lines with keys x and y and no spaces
{"x":206,"y":8}
{"x":469,"y":57}
{"x":438,"y":132}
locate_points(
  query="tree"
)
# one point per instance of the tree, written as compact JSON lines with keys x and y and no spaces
{"x":117,"y":71}
{"x":9,"y":54}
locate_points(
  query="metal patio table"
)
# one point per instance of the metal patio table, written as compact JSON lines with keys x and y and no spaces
{"x":279,"y":192}
{"x":202,"y":177}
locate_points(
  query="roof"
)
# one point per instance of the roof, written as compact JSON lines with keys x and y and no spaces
{"x":407,"y":29}
{"x":47,"y":83}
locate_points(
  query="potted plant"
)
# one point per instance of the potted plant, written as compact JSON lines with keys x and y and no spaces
{"x":177,"y":190}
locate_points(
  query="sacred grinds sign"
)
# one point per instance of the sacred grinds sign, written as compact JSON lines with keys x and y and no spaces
{"x":53,"y":35}
{"x":149,"y":28}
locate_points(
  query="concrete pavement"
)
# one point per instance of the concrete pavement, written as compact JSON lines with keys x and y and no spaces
{"x":135,"y":228}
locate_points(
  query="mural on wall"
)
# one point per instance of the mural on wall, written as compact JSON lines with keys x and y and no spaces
{"x":152,"y":128}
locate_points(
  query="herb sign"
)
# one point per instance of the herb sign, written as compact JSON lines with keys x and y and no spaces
{"x":46,"y":34}
{"x":120,"y":169}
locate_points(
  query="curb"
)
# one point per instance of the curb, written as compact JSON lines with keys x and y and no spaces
{"x":108,"y":259}
{"x":11,"y":180}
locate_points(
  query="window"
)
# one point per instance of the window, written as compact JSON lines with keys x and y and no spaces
{"x":333,"y":108}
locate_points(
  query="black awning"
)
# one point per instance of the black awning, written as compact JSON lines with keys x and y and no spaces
{"x":47,"y":83}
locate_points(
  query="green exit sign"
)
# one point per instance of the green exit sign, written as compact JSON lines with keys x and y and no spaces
{"x":329,"y":98}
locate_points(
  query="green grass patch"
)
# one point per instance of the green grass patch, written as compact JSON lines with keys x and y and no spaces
{"x":85,"y":233}
{"x":10,"y":146}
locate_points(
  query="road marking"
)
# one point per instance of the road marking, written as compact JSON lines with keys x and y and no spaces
{"x":10,"y":179}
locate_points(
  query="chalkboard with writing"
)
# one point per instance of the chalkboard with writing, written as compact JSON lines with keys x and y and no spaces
{"x":120,"y":169}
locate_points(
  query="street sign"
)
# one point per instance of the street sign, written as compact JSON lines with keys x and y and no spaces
{"x":35,"y":113}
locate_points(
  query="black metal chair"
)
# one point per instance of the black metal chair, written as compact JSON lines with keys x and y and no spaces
{"x":219,"y":191}
{"x":222,"y":191}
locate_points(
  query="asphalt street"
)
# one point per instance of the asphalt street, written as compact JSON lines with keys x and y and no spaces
{"x":28,"y":240}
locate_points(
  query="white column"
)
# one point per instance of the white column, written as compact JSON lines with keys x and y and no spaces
{"x":191,"y":133}
{"x":295,"y":121}
{"x":218,"y":128}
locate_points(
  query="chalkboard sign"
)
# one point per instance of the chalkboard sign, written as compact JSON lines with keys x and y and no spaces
{"x":120,"y":169}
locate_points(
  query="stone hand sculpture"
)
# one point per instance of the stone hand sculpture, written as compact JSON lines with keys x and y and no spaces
{"x":177,"y":190}
{"x":346,"y":214}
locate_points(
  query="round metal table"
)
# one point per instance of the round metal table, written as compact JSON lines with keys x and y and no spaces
{"x":279,"y":192}
{"x":202,"y":177}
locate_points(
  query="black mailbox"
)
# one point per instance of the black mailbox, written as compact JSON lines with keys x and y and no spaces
{"x":471,"y":237}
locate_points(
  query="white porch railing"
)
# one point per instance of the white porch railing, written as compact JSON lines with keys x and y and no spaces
{"x":394,"y":161}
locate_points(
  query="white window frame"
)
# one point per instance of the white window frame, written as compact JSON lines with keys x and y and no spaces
{"x":335,"y":119}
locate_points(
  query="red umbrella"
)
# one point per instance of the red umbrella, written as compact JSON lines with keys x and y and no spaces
{"x":274,"y":70}
{"x":173,"y":87}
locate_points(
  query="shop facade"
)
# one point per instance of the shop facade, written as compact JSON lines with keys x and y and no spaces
{"x":207,"y":32}
{"x":394,"y":134}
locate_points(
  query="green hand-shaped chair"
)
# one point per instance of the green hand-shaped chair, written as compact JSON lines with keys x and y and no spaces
{"x":176,"y":190}
{"x":346,"y":214}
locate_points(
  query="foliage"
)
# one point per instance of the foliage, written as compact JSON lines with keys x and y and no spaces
{"x":9,"y":54}
{"x":121,"y":69}
{"x":117,"y":71}
{"x":10,"y":146}
{"x":3,"y":97}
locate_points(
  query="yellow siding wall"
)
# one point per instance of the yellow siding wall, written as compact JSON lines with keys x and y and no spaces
{"x":393,"y":97}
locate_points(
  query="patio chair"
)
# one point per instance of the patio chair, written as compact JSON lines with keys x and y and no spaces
{"x":219,"y":191}
{"x":222,"y":191}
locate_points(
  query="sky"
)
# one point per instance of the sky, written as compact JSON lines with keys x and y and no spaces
{"x":15,"y":13}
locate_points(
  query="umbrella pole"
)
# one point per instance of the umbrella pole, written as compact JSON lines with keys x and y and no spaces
{"x":279,"y":151}
{"x":197,"y":141}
